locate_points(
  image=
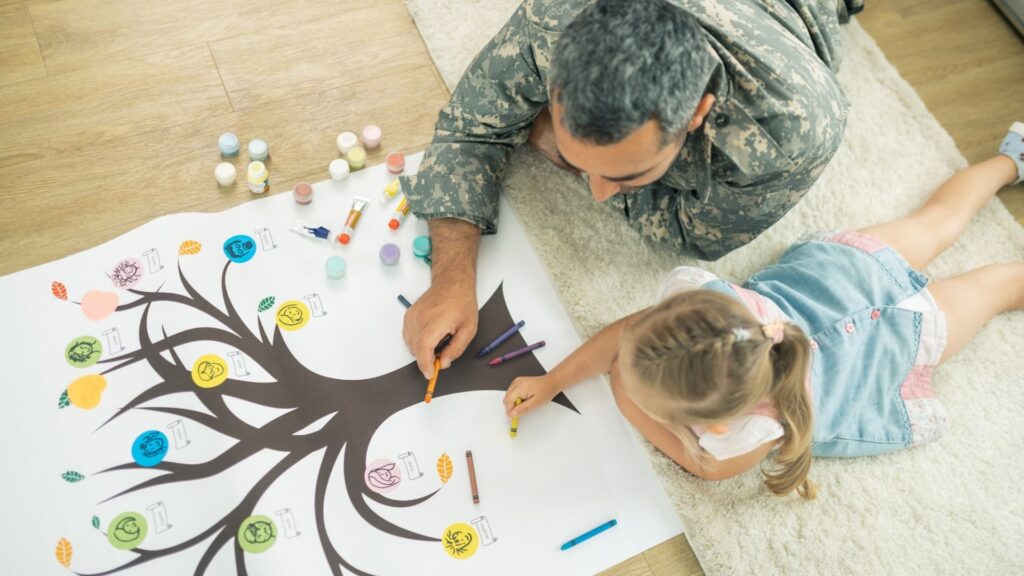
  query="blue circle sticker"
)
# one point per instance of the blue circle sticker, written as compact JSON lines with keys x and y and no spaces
{"x":149,"y":448}
{"x":240,"y":248}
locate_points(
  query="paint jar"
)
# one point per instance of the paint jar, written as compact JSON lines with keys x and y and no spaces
{"x":228,"y":144}
{"x":258,"y":150}
{"x":339,"y":169}
{"x":421,"y":247}
{"x":372,"y":136}
{"x":335,"y":267}
{"x":225,"y":174}
{"x":396,"y":162}
{"x":258,"y":178}
{"x":356,"y":157}
{"x":389,"y":254}
{"x":302,"y":193}
{"x":345,"y":141}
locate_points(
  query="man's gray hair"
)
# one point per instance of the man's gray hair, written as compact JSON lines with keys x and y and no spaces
{"x":620,"y":63}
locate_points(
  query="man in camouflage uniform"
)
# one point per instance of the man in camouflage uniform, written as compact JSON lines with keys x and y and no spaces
{"x":764,"y":115}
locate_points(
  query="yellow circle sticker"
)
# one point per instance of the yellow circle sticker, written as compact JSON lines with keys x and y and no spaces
{"x":292,"y":315}
{"x":209,"y":371}
{"x":460,"y":541}
{"x":85,"y":392}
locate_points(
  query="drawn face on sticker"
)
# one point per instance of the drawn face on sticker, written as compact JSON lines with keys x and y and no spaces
{"x":240,"y":248}
{"x":292,"y":315}
{"x":149,"y":448}
{"x":209,"y":371}
{"x":127,"y":273}
{"x":257,"y":534}
{"x":127,"y":530}
{"x":382,"y":476}
{"x":83,"y":351}
{"x":460,"y":541}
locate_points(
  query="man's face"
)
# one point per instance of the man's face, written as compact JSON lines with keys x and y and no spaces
{"x":635,"y":161}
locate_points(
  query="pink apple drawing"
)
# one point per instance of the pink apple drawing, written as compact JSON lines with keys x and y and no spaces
{"x":97,"y":305}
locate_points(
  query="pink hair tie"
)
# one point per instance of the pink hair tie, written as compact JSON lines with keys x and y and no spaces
{"x":774,"y":330}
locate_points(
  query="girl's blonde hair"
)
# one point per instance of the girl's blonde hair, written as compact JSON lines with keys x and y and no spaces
{"x":707,"y":359}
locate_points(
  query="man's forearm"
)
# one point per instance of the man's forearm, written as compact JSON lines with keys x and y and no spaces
{"x":454,"y":246}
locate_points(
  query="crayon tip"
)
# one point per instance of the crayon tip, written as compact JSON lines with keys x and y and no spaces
{"x":494,"y":362}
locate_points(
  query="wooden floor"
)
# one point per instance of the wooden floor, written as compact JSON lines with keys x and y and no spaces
{"x":110,"y":109}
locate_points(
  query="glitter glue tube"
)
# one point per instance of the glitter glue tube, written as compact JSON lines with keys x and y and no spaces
{"x":400,"y":213}
{"x":358,"y":205}
{"x":311,"y":231}
{"x":390,"y":191}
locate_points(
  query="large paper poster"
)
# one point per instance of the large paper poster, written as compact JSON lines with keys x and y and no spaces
{"x":198,"y":396}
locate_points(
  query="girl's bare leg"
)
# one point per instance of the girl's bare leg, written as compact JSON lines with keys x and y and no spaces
{"x":972,"y":299}
{"x":936,"y":225}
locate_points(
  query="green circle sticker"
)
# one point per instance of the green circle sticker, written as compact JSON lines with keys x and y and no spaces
{"x":83,"y":351}
{"x":257,"y":534}
{"x":127,"y":530}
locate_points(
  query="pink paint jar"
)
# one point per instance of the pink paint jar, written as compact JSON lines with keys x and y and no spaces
{"x":302,"y":193}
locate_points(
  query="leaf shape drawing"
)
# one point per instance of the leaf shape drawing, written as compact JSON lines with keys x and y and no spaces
{"x":72,"y":476}
{"x":96,"y":522}
{"x":63,"y":552}
{"x":64,"y":401}
{"x":189,"y":247}
{"x":266,"y":304}
{"x":444,"y":468}
{"x":59,"y":290}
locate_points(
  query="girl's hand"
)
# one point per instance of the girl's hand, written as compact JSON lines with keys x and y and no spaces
{"x":534,"y":391}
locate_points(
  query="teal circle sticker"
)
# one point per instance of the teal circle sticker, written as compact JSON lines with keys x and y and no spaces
{"x":83,"y":351}
{"x":127,"y":530}
{"x":240,"y":248}
{"x":257,"y":534}
{"x":149,"y":448}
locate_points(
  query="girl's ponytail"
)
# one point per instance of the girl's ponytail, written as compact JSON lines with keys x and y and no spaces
{"x":791,"y":360}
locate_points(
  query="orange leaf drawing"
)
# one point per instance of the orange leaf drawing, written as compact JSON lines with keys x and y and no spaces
{"x":444,"y":468}
{"x":63,"y":552}
{"x":59,"y":290}
{"x":189,"y":247}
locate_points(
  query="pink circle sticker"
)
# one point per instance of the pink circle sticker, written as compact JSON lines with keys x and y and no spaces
{"x":382,"y":476}
{"x":127,"y":273}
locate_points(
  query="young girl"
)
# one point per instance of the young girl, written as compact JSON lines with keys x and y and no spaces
{"x":828,"y":352}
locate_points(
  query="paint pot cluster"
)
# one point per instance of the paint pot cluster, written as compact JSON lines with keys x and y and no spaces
{"x":257,"y":176}
{"x":353,"y":150}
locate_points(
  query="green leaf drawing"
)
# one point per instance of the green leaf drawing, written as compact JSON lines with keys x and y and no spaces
{"x":266,"y":304}
{"x":96,"y":522}
{"x":64,"y":401}
{"x":72,"y":476}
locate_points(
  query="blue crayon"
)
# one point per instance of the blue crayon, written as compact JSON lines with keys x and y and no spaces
{"x":497,"y":341}
{"x":404,"y":302}
{"x":589,"y":535}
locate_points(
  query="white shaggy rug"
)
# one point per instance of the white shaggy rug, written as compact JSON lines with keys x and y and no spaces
{"x":955,"y":506}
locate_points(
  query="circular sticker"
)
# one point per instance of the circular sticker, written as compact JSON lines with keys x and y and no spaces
{"x":460,"y":541}
{"x":209,"y":371}
{"x":292,"y":315}
{"x":257,"y":534}
{"x":382,"y":476}
{"x":85,"y":392}
{"x":240,"y":248}
{"x":150,"y":448}
{"x":127,"y":273}
{"x":83,"y":351}
{"x":127,"y":530}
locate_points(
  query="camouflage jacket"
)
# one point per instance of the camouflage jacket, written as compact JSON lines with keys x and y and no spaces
{"x":777,"y":120}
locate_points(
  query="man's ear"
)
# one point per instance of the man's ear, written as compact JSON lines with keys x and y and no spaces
{"x":703,"y":107}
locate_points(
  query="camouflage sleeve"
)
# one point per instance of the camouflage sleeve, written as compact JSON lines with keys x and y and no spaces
{"x":490,"y":112}
{"x":729,"y":217}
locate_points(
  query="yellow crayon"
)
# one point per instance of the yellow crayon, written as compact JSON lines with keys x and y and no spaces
{"x":515,"y":421}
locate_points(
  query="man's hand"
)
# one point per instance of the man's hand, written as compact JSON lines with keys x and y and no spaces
{"x":449,"y":306}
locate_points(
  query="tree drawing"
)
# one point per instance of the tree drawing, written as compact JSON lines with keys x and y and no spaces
{"x":352,"y":409}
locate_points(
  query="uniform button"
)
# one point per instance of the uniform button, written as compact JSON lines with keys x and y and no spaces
{"x":875,"y":314}
{"x":722,"y":120}
{"x":849,"y":328}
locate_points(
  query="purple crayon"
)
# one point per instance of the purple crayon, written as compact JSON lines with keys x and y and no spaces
{"x":497,"y":341}
{"x":517,"y":353}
